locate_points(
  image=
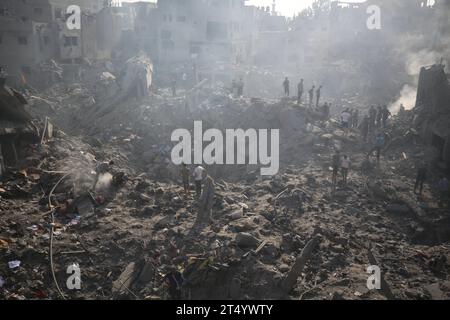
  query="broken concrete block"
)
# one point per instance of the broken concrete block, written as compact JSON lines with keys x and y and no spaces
{"x":289,"y":282}
{"x":147,"y":273}
{"x":246,"y":240}
{"x":397,"y":209}
{"x":283,"y":268}
{"x":125,"y":279}
{"x":237,"y":215}
{"x":162,"y":223}
{"x":435,"y":292}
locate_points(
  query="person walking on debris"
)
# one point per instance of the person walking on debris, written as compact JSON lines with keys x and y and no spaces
{"x":318,"y":93}
{"x":199,"y":174}
{"x":336,"y":164}
{"x":372,"y":118}
{"x":385,"y":114}
{"x":206,"y":200}
{"x":443,"y":186}
{"x":345,"y":167}
{"x":300,"y":88}
{"x":420,"y":179}
{"x":286,"y":87}
{"x":345,"y":120}
{"x":379,"y":145}
{"x":311,"y":96}
{"x":185,"y":177}
{"x":364,"y":127}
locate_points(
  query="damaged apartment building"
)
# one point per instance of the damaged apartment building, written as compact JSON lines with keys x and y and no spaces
{"x":34,"y":33}
{"x":187,"y":34}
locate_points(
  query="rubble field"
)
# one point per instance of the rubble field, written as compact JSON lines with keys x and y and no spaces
{"x":290,"y":236}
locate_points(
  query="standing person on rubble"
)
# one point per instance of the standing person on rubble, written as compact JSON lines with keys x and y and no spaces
{"x":345,"y":167}
{"x":318,"y":93}
{"x":311,"y":96}
{"x":286,"y":84}
{"x":364,"y":127}
{"x":185,"y":178}
{"x":206,"y":200}
{"x":401,"y":110}
{"x":380,"y":141}
{"x":444,"y":187}
{"x":372,"y":118}
{"x":336,"y":164}
{"x":385,"y":114}
{"x":300,"y":88}
{"x":420,"y":179}
{"x":345,"y":120}
{"x":199,"y":175}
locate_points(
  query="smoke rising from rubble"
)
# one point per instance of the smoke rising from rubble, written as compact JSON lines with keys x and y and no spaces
{"x":414,"y":62}
{"x":407,"y":98}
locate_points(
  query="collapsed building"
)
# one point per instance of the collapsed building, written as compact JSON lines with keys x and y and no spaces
{"x":16,"y":129}
{"x":433,"y":111}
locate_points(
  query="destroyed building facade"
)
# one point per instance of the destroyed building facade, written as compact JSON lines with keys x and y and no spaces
{"x":433,"y":104}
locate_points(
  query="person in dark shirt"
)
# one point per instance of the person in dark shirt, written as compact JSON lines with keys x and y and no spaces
{"x":318,"y":93}
{"x":420,"y":179}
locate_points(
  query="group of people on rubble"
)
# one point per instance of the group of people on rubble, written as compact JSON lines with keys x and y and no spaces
{"x":301,"y":90}
{"x":378,"y":117}
{"x":199,"y":174}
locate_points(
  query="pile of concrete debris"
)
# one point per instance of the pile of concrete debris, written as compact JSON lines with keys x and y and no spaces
{"x":107,"y":203}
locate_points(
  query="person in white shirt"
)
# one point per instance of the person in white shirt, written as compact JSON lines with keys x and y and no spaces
{"x":345,"y":118}
{"x":199,"y":174}
{"x":345,"y":167}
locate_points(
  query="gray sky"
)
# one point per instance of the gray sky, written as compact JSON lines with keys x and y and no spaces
{"x":285,"y":7}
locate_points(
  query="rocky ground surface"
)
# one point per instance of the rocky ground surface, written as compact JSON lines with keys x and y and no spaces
{"x":129,"y":234}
